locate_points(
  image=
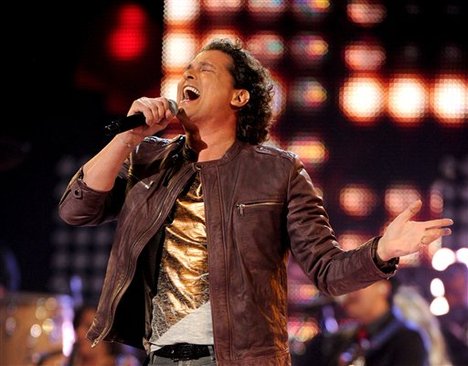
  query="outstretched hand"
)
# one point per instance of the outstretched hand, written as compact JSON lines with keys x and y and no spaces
{"x":403,"y":236}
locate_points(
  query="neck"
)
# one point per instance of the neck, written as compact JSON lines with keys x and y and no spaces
{"x":211,"y":145}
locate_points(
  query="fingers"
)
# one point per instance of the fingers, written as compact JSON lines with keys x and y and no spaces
{"x":438,"y":223}
{"x":155,"y":110}
{"x":433,"y":233}
{"x":410,"y":211}
{"x":437,"y":232}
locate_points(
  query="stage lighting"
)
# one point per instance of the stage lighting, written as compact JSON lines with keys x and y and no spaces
{"x":366,"y":13}
{"x":351,"y":239}
{"x":308,"y":94}
{"x":301,"y":330}
{"x":308,"y":49}
{"x":221,"y":7}
{"x":169,"y":86}
{"x":443,"y":258}
{"x":172,"y":59}
{"x":129,"y":40}
{"x":268,"y":47}
{"x":178,"y":12}
{"x":399,"y":196}
{"x":462,"y":255}
{"x":439,"y":306}
{"x":266,"y":9}
{"x":449,"y":100}
{"x":364,"y":55}
{"x":314,"y":10}
{"x":437,"y":287}
{"x":357,"y":200}
{"x":310,"y":148}
{"x":407,"y":100}
{"x":362,"y":99}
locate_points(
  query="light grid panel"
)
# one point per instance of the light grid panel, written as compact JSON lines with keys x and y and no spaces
{"x":79,"y":258}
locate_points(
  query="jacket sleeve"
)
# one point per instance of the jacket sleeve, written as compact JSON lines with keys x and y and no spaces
{"x":314,"y":245}
{"x":81,"y":205}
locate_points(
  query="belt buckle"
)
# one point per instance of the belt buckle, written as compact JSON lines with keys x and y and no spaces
{"x":185,"y":353}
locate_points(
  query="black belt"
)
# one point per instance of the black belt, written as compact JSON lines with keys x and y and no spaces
{"x":183,"y":351}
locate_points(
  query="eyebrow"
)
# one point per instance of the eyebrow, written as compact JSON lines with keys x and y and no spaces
{"x":201,"y":63}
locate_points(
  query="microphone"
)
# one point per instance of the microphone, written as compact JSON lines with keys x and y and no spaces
{"x":133,"y":121}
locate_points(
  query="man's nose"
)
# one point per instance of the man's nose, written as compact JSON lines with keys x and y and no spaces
{"x":189,"y":74}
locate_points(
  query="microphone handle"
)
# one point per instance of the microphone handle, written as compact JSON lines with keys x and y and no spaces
{"x":134,"y":120}
{"x":125,"y":124}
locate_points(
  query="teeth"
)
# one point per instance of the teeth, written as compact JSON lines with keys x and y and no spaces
{"x":191,"y":89}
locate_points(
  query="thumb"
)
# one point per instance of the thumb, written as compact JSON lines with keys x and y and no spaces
{"x":411,"y":210}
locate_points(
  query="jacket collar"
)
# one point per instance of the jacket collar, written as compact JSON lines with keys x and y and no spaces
{"x":230,"y":154}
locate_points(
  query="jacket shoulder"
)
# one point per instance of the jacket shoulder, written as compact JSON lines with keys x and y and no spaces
{"x":153,"y":148}
{"x":275,"y":151}
{"x":161,"y":141}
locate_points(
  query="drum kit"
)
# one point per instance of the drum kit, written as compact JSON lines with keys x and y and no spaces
{"x":35,"y":326}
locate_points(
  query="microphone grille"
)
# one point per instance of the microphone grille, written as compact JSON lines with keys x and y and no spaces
{"x":173,"y":106}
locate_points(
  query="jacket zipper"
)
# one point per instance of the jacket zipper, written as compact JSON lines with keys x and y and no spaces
{"x":125,"y":283}
{"x":242,"y":206}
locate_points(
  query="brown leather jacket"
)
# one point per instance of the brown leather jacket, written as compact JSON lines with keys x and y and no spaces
{"x":259,"y":204}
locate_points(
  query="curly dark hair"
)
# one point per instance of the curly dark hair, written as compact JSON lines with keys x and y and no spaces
{"x":255,"y":118}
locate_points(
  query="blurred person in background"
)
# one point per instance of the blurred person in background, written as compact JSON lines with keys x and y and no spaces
{"x":415,"y":309}
{"x":455,"y":322}
{"x":83,"y":354}
{"x":372,"y":333}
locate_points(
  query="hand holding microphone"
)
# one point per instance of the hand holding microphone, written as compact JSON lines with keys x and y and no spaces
{"x":148,"y":111}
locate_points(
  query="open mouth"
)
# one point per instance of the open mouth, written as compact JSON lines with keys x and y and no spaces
{"x":191,"y":93}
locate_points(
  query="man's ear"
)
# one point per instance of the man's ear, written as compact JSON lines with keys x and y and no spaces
{"x":240,"y":98}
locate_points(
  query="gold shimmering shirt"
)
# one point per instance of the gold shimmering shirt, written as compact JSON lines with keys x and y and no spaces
{"x":181,"y":308}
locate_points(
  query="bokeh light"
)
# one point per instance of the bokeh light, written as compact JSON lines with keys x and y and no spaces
{"x":357,"y":199}
{"x":407,"y":100}
{"x":462,"y":255}
{"x":449,"y":100}
{"x":350,"y":239}
{"x":399,"y":196}
{"x":222,"y":6}
{"x":439,"y":306}
{"x":307,"y":10}
{"x":443,"y":258}
{"x":310,"y":148}
{"x":308,"y":94}
{"x":365,"y":55}
{"x":268,"y":47}
{"x":181,"y":12}
{"x":308,"y":49}
{"x":366,"y":13}
{"x":266,"y":9}
{"x":362,"y":99}
{"x":172,"y":59}
{"x":437,"y":287}
{"x":129,"y":39}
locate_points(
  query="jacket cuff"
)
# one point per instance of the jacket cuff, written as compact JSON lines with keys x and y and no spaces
{"x":387,"y":267}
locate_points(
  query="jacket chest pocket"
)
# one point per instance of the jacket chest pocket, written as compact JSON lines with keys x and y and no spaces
{"x":259,"y":228}
{"x":252,"y":207}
